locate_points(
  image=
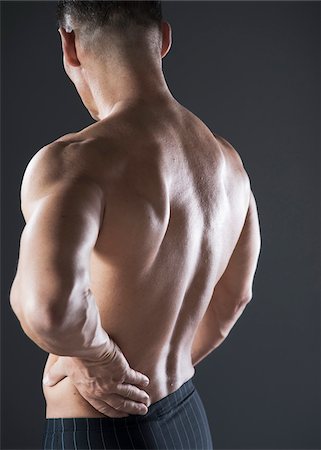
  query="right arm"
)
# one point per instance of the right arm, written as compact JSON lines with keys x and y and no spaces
{"x":233,"y":291}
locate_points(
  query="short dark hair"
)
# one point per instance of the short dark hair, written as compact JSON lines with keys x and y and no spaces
{"x":116,"y":14}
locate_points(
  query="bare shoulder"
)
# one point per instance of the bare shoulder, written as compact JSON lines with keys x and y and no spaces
{"x":57,"y":163}
{"x":238,"y":172}
{"x":229,"y":150}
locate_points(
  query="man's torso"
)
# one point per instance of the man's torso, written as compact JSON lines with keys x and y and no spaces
{"x":176,"y":199}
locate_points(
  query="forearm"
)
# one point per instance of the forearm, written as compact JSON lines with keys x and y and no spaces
{"x":77,"y":332}
{"x":205,"y":341}
{"x":215,"y":327}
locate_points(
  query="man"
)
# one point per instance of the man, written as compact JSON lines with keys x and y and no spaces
{"x":140,"y":245}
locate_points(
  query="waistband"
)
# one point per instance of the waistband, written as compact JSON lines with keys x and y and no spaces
{"x":162,"y":406}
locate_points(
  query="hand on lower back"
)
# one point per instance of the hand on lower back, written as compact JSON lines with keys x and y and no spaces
{"x":109,"y":384}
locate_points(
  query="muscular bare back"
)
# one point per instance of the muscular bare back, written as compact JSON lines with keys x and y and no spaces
{"x":176,"y":200}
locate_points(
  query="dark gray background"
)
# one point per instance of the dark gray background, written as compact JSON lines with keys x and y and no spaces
{"x":251,"y":72}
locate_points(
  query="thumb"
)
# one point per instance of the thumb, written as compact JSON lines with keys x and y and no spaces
{"x":55,"y":374}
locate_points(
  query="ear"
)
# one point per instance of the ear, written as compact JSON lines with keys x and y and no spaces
{"x":167,"y":38}
{"x":69,"y":47}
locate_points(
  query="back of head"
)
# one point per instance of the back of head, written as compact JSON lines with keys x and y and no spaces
{"x":112,"y":24}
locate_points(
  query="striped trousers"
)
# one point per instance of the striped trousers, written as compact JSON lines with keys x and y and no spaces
{"x":177,"y":421}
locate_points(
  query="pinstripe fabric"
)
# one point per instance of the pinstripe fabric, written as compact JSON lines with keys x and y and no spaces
{"x":177,"y":421}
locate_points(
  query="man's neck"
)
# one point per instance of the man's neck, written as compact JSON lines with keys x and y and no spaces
{"x":111,"y":88}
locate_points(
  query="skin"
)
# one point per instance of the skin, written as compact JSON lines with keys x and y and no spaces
{"x":141,"y":240}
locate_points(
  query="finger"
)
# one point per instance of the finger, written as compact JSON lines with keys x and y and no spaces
{"x":133,"y":393}
{"x":135,"y":377}
{"x":124,"y":404}
{"x":106,"y":409}
{"x":55,"y":374}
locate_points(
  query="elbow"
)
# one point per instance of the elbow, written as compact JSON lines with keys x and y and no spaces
{"x":247,"y":297}
{"x":42,"y":320}
{"x":243,"y":300}
{"x":40,"y":323}
{"x":14,"y":298}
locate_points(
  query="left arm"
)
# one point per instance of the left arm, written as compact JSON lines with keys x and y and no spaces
{"x":50,"y":294}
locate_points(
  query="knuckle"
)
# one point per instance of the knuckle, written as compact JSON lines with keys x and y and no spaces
{"x":140,"y":408}
{"x":122,"y":376}
{"x":145,"y":397}
{"x":126,"y":404}
{"x":128,"y":391}
{"x":134,"y":406}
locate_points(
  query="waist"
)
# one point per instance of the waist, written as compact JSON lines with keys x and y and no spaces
{"x":64,"y":400}
{"x":156,"y":410}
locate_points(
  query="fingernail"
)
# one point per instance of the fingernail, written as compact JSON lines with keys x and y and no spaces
{"x":146,"y":382}
{"x":45,"y":380}
{"x":144,"y":409}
